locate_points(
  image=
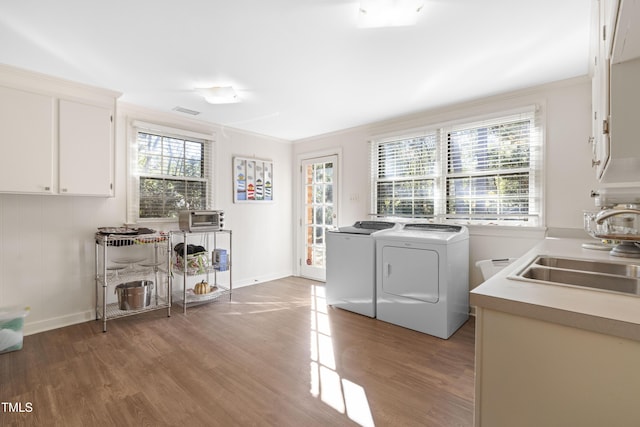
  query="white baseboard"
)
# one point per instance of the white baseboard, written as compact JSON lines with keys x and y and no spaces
{"x":31,"y":328}
{"x":261,"y":279}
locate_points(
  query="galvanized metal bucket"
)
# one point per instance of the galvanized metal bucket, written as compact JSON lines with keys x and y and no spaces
{"x":134,"y":295}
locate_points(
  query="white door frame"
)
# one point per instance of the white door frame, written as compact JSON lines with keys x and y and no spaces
{"x":298,"y":200}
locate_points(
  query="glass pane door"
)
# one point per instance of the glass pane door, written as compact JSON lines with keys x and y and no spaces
{"x":319,"y":179}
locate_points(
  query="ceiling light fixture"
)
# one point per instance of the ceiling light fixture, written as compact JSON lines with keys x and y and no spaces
{"x":219,"y":94}
{"x":388,"y":13}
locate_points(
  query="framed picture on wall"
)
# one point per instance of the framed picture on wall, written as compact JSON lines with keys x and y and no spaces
{"x":252,"y":180}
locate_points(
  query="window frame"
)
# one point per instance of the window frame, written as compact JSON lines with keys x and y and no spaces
{"x":442,"y":131}
{"x":135,"y":175}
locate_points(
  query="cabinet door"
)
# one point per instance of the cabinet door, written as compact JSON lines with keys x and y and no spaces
{"x":86,"y":149}
{"x":606,"y":11}
{"x":531,"y":373}
{"x":28,"y":138}
{"x":602,"y":142}
{"x":609,"y":16}
{"x":595,"y":79}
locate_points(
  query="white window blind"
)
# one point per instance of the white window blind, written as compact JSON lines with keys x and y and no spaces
{"x":478,"y":172}
{"x":171,"y":172}
{"x":406,"y":172}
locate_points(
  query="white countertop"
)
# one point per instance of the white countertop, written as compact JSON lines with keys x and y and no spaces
{"x":598,"y":311}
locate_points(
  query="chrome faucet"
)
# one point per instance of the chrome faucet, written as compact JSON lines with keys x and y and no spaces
{"x":608,"y":213}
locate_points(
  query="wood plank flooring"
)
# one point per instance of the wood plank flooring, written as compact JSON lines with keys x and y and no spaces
{"x":274,"y":355}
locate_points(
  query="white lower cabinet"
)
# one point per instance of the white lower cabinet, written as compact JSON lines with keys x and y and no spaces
{"x":532,"y":373}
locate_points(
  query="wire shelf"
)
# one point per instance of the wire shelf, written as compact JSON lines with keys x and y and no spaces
{"x":194,"y":299}
{"x":113,"y":310}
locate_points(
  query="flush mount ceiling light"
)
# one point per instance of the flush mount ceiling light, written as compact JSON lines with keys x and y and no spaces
{"x":388,"y":13}
{"x":219,"y":94}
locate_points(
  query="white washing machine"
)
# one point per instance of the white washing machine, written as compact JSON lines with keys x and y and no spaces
{"x":351,"y":272}
{"x":423,"y":277}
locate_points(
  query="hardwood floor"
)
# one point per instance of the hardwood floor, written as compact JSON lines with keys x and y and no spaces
{"x":274,"y":355}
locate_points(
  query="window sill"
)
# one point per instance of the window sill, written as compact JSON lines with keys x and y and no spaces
{"x":506,"y":231}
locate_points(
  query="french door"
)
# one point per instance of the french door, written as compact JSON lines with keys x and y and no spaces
{"x":319,"y":212}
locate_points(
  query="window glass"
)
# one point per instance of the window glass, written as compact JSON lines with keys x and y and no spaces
{"x":405,"y":176}
{"x":489,"y":173}
{"x":172,"y":175}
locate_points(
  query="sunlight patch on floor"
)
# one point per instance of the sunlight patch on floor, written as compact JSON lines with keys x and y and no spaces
{"x":341,"y":394}
{"x":357,"y":405}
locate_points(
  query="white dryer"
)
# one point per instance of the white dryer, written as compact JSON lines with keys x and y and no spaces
{"x":422,"y":278}
{"x":351,"y":266}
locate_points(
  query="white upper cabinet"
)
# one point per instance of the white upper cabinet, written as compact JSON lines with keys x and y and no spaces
{"x":27,"y":132}
{"x":57,"y":136}
{"x":604,"y":19}
{"x":609,"y":17}
{"x":623,"y":94}
{"x":626,"y":44}
{"x":86,"y":149}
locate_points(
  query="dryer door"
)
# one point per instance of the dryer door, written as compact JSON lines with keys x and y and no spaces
{"x":410,"y":273}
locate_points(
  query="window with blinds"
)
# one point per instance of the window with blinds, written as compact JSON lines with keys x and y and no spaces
{"x":406,"y":176}
{"x":481,"y":172}
{"x":172,"y":174}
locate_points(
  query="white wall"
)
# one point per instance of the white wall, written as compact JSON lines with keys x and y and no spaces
{"x":568,"y":179}
{"x":261,"y":231}
{"x":47,"y":256}
{"x":46,"y":242}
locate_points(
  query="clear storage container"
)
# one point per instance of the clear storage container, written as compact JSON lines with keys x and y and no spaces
{"x":11,"y":326}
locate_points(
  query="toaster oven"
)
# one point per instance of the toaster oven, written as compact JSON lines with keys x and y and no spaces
{"x":193,"y":221}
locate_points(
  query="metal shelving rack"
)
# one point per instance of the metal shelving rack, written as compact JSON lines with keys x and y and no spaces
{"x":185,"y":297}
{"x":157,"y":266}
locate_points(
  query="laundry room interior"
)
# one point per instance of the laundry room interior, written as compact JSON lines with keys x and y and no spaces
{"x":238,"y":214}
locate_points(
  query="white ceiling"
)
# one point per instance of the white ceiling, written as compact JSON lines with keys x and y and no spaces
{"x":301,"y":67}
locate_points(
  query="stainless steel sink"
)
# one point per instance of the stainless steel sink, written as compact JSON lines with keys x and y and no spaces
{"x":627,"y":270}
{"x":598,"y":275}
